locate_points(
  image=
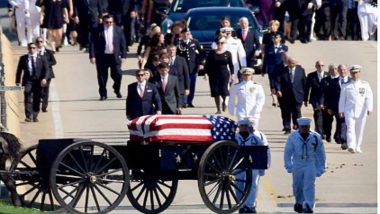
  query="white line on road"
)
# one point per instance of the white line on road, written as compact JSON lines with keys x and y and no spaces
{"x":57,"y":121}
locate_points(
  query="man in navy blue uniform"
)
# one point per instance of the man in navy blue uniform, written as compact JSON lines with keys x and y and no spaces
{"x":330,"y":101}
{"x":314,"y":88}
{"x":290,"y":89}
{"x":192,"y":51}
{"x":275,"y":55}
{"x":142,"y":98}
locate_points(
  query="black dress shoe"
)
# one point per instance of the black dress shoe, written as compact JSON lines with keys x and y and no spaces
{"x":244,"y":209}
{"x":251,"y":210}
{"x":28,"y":119}
{"x":344,"y":146}
{"x":287,"y":131}
{"x":35,"y":120}
{"x":190,"y":105}
{"x":118,"y":95}
{"x":185,"y":106}
{"x":44,"y":110}
{"x":103,"y":98}
{"x":298,"y":208}
{"x":328,"y":139}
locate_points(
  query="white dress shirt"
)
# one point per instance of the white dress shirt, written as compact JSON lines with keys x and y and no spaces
{"x":108,"y":35}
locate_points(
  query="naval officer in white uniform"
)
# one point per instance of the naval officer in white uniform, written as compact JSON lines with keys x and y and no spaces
{"x":355,"y":103}
{"x":249,"y":96}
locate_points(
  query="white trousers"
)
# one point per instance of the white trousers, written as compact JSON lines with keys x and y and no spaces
{"x":355,"y":129}
{"x":28,"y":27}
{"x":368,"y":20}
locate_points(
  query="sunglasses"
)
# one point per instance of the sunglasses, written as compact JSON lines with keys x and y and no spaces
{"x":140,"y":75}
{"x":220,"y":43}
{"x":32,"y":47}
{"x":109,"y":22}
{"x":40,"y":41}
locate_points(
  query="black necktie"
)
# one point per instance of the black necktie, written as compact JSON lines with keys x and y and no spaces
{"x":33,"y":67}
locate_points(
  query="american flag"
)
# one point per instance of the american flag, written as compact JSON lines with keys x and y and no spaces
{"x":181,"y":128}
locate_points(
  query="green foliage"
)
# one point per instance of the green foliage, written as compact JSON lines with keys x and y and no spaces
{"x":6,"y":208}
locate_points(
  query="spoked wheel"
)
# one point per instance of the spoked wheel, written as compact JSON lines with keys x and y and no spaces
{"x":33,"y":189}
{"x":89,"y":177}
{"x":151,"y":195}
{"x":224,"y":177}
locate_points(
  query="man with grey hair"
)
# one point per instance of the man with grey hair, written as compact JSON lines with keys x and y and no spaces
{"x":330,"y":102}
{"x":250,"y":40}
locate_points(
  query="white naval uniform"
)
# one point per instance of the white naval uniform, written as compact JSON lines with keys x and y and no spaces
{"x":255,"y":139}
{"x":306,"y":160}
{"x":27,"y":20}
{"x":355,"y":100}
{"x":368,"y":19}
{"x":250,"y":101}
{"x":236,"y":48}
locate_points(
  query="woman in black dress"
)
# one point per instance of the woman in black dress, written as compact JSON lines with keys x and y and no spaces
{"x":55,"y":14}
{"x":218,"y":69}
{"x":157,"y":46}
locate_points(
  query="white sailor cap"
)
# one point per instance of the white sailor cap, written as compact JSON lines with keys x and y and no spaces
{"x":245,"y":122}
{"x":226,"y":29}
{"x":304,"y":121}
{"x":247,"y":71}
{"x":355,"y":68}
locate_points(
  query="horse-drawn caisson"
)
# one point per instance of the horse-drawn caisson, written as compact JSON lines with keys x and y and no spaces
{"x":84,"y":176}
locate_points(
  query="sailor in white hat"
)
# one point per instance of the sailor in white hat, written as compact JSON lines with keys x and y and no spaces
{"x":355,"y":103}
{"x":305,"y":158}
{"x":236,"y":48}
{"x":249,"y":136}
{"x":246,"y":98}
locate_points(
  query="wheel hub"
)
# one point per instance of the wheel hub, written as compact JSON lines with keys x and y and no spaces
{"x":92,"y":179}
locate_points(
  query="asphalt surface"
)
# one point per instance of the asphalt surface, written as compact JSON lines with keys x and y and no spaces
{"x":349,"y":185}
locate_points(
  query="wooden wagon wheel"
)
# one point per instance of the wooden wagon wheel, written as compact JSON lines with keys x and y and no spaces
{"x":221,"y":168}
{"x":151,"y":195}
{"x":33,"y":189}
{"x":89,"y":177}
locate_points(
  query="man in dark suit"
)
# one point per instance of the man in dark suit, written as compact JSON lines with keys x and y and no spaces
{"x":250,"y":40}
{"x":123,"y":12}
{"x":338,"y":18}
{"x":301,"y":13}
{"x":169,"y":91}
{"x":49,"y":56}
{"x":87,"y":14}
{"x":108,"y":50}
{"x":290,"y":89}
{"x":179,"y":68}
{"x":314,"y":88}
{"x":143,"y":98}
{"x":35,"y":73}
{"x":330,"y":102}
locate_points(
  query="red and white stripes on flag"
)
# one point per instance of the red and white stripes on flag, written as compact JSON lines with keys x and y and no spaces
{"x":179,"y":128}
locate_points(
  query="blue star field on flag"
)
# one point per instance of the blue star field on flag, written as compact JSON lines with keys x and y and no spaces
{"x":223,"y":128}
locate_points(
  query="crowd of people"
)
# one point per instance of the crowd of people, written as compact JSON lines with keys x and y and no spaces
{"x":169,"y":64}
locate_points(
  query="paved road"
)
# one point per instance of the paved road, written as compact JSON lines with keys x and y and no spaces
{"x":349,"y":186}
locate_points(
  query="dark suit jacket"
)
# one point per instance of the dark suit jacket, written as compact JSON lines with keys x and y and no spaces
{"x":89,"y":12}
{"x":49,"y":56}
{"x":298,"y":7}
{"x":171,"y":98}
{"x":180,"y":69}
{"x":331,"y":93}
{"x":148,"y":104}
{"x":98,"y":43}
{"x":42,"y":69}
{"x":314,"y":87}
{"x":120,"y":9}
{"x":251,"y":44}
{"x":289,"y":89}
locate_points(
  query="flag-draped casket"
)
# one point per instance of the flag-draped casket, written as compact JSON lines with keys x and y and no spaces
{"x":181,"y":128}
